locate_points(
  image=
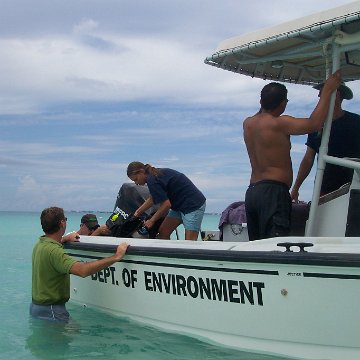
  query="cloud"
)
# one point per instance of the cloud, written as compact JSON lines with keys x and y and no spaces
{"x":105,"y":56}
{"x":58,"y":70}
{"x":88,"y":86}
{"x":85,"y":31}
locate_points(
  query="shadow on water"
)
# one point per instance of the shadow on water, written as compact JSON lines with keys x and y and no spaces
{"x":104,"y":336}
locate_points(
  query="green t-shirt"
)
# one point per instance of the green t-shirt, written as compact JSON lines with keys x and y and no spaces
{"x":50,"y":272}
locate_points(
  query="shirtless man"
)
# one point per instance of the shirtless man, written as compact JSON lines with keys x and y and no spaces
{"x":267,"y":139}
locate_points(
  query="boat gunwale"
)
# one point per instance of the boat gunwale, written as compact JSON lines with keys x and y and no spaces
{"x":269,"y":256}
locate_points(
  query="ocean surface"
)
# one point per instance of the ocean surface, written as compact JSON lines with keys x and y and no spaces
{"x":94,"y":334}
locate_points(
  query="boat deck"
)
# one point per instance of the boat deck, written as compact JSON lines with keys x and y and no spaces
{"x":320,"y":244}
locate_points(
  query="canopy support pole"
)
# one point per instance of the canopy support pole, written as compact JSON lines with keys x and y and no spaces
{"x":310,"y":229}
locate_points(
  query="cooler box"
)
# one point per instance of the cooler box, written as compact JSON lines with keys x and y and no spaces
{"x":233,"y":226}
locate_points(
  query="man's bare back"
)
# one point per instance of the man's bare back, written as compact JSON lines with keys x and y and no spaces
{"x":267,"y":133}
{"x":268,"y":148}
{"x":267,"y":138}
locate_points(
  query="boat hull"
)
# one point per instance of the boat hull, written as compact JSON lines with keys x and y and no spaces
{"x":293,"y":304}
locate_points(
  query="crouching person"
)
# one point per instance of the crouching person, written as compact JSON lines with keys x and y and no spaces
{"x":52,"y":266}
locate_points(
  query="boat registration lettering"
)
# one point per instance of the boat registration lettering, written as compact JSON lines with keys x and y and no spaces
{"x":106,"y":275}
{"x":233,"y":291}
{"x":293,"y":274}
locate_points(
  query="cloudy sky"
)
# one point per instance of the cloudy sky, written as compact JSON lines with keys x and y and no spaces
{"x":88,"y":86}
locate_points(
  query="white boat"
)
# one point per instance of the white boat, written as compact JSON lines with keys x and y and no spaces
{"x":294,"y":296}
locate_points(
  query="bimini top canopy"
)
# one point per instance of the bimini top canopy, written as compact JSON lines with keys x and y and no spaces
{"x":296,"y":51}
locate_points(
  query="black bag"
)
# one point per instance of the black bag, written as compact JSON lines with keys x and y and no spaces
{"x":123,"y":225}
{"x":131,"y":196}
{"x":122,"y":222}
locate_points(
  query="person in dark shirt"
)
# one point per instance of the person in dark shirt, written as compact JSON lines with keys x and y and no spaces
{"x":344,"y":141}
{"x":180,"y":200}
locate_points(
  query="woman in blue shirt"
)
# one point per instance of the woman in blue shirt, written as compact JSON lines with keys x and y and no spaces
{"x":180,"y":200}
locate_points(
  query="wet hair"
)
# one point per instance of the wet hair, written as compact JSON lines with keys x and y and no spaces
{"x":136,"y":166}
{"x":50,"y":219}
{"x":272,"y":95}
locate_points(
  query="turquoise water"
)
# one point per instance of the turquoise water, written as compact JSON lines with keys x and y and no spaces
{"x":93,"y":334}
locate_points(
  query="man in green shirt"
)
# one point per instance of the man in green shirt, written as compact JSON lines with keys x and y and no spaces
{"x":52,"y":266}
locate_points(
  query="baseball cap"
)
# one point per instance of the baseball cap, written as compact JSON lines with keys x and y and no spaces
{"x":90,"y":220}
{"x":345,"y":91}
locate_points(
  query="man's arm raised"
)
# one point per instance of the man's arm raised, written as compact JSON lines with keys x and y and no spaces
{"x":301,"y":126}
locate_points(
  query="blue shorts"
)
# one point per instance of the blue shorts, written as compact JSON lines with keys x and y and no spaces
{"x":191,"y":221}
{"x":50,"y":312}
